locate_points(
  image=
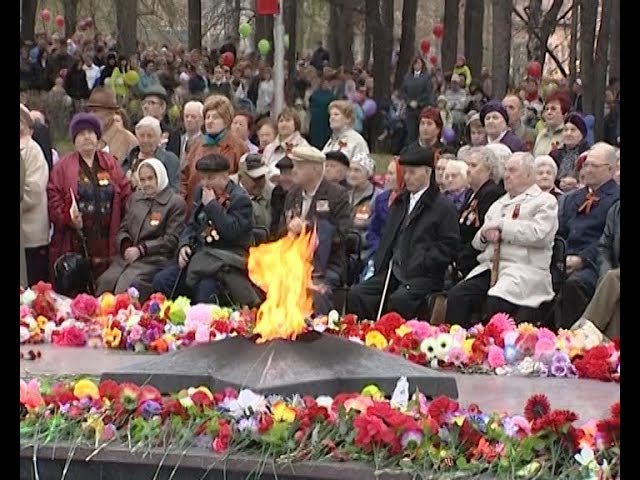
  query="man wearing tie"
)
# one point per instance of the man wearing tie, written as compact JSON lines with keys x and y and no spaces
{"x":420,"y":241}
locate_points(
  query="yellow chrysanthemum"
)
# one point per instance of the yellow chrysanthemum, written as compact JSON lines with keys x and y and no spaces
{"x":42,"y":322}
{"x":375,"y":339}
{"x":86,"y":388}
{"x":402,"y":330}
{"x":468,"y":345}
{"x":526,"y":328}
{"x":281,"y":412}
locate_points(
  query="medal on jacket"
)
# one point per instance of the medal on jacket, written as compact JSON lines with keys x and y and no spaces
{"x":470,"y":215}
{"x":516,"y":212}
{"x":342,"y":144}
{"x":103,"y":179}
{"x":154,"y":221}
{"x":210,"y":233}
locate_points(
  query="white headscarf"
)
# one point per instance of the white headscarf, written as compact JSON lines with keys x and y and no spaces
{"x":161,"y":172}
{"x":365,"y":162}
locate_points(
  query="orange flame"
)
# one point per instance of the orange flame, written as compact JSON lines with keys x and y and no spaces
{"x":283,"y":270}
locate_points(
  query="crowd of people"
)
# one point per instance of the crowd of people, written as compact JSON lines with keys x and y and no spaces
{"x":495,"y":205}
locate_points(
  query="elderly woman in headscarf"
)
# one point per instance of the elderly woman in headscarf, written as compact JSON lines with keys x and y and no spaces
{"x":574,"y":143}
{"x":495,"y":119}
{"x":87,"y":194}
{"x":362,"y":194}
{"x":149,"y":135}
{"x":546,"y":172}
{"x":149,"y":234}
{"x":343,"y":137}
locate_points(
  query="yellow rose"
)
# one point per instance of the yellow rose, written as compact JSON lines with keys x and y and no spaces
{"x":375,"y":339}
{"x":86,"y":388}
{"x":281,"y":412}
{"x":372,"y":391}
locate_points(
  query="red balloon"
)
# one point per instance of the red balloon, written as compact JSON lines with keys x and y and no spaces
{"x":227,"y":59}
{"x":434,"y":60}
{"x":534,"y":69}
{"x":59,"y":21}
{"x":438,"y":30}
{"x":45,"y":15}
{"x":425,"y":45}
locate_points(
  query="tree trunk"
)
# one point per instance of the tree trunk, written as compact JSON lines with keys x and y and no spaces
{"x":235,"y":22}
{"x":368,"y":37}
{"x":407,"y":39}
{"x":264,"y":29}
{"x":573,"y":46}
{"x":290,"y":21}
{"x":614,"y":39}
{"x":28,"y":15}
{"x":473,"y":21}
{"x":501,"y":47}
{"x":381,"y":12}
{"x":600,"y":71}
{"x":335,"y":49}
{"x":70,"y":8}
{"x":126,"y":26}
{"x":194,"y":8}
{"x":588,"y":13}
{"x":541,"y":27}
{"x":346,"y":31}
{"x":450,"y":39}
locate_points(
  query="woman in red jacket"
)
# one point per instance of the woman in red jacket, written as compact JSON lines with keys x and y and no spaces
{"x":95,"y":181}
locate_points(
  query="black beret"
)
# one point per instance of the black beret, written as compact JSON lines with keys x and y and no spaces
{"x":337,"y":156}
{"x":285,"y":163}
{"x":213,"y":163}
{"x":417,"y":157}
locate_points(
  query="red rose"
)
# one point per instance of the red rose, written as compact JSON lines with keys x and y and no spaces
{"x":201,"y":399}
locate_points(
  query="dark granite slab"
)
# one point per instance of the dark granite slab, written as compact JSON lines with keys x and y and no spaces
{"x":315,"y":364}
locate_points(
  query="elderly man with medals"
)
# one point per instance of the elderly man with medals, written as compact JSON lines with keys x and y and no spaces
{"x":212,"y":256}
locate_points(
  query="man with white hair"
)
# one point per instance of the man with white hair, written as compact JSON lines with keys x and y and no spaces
{"x":516,"y":241}
{"x":582,"y":220}
{"x":149,"y":133}
{"x":193,"y":122}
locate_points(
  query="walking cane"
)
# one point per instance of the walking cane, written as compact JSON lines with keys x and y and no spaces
{"x":85,"y":253}
{"x":495,"y":262}
{"x":384,"y":290}
{"x":175,"y":285}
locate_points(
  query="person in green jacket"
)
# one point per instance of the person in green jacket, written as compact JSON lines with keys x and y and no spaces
{"x":463,"y":69}
{"x":319,"y":131}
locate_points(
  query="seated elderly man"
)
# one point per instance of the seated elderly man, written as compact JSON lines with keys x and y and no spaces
{"x":336,"y":167}
{"x":516,"y":241}
{"x":602,"y":316}
{"x":149,"y":133}
{"x":252,"y":176}
{"x":420,"y":240}
{"x":213,"y":249}
{"x":315,"y":201}
{"x":583,"y":217}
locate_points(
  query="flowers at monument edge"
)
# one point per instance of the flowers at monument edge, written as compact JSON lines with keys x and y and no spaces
{"x":403,"y":431}
{"x":159,"y":325}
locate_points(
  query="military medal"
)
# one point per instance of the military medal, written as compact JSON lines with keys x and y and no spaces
{"x":516,"y":212}
{"x":103,"y":179}
{"x":155,"y":219}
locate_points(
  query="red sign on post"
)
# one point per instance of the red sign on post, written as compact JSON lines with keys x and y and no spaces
{"x":267,"y":7}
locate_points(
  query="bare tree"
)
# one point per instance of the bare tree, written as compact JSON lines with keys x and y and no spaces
{"x":28,"y":17}
{"x":290,"y":21}
{"x":70,"y":16}
{"x":501,"y":47}
{"x":614,"y":54}
{"x":368,"y":40}
{"x":600,"y":70}
{"x":450,"y":39}
{"x":588,"y":14}
{"x":126,"y":26}
{"x":195,"y":27}
{"x":407,"y":39}
{"x":340,"y":45}
{"x":540,"y":27}
{"x":235,"y":22}
{"x":380,"y":14}
{"x":473,"y":22}
{"x":573,"y":46}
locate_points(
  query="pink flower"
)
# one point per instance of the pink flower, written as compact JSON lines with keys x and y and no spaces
{"x":545,"y":333}
{"x":202,"y":334}
{"x":136,"y":333}
{"x":502,"y":322}
{"x":84,"y":306}
{"x":421,"y":330}
{"x":200,"y":314}
{"x":30,"y":395}
{"x":496,"y":357}
{"x":544,"y":346}
{"x":457,"y":356}
{"x":24,"y":311}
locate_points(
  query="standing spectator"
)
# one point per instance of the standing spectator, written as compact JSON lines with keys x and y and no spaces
{"x":75,"y":82}
{"x":319,"y":101}
{"x":266,"y":91}
{"x":320,"y":57}
{"x":154,"y":104}
{"x":91,"y":71}
{"x":242,"y":125}
{"x":228,"y":46}
{"x":417,"y":91}
{"x":463,"y":70}
{"x":457,"y":100}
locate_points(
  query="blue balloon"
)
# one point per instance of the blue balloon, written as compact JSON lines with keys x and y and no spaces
{"x":448,"y":135}
{"x":369,"y":107}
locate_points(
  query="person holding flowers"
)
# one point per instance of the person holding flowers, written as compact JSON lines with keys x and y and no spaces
{"x":149,"y":234}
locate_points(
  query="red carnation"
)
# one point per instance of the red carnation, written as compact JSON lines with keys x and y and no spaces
{"x":149,"y":392}
{"x":70,"y":337}
{"x":419,"y":358}
{"x":173,"y":407}
{"x":371,"y":430}
{"x":555,"y":421}
{"x":595,"y":364}
{"x":201,"y":399}
{"x":469,"y":436}
{"x":609,"y":428}
{"x":537,"y":407}
{"x":440,"y":407}
{"x":265,"y":422}
{"x":388,"y":324}
{"x":223,"y":439}
{"x":339,"y":400}
{"x":122,"y":302}
{"x":109,"y":389}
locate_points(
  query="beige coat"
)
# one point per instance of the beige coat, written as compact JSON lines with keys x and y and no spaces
{"x":348,"y":142}
{"x":23,"y":260}
{"x":33,"y":207}
{"x":276,"y":150}
{"x":524,"y":276}
{"x":548,"y":140}
{"x":118,"y":142}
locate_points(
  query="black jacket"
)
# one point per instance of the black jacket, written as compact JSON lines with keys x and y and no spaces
{"x":278,"y":196}
{"x":42,"y":137}
{"x":471,"y":219}
{"x":430,"y":241}
{"x":233,"y":224}
{"x":331,"y":213}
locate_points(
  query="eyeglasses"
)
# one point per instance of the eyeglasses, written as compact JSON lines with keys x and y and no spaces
{"x":594,"y":165}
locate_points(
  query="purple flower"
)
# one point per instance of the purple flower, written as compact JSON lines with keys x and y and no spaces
{"x":133,"y":292}
{"x":480,"y":420}
{"x":64,"y":408}
{"x":543,"y":371}
{"x":150,"y":408}
{"x":560,"y":357}
{"x":154,"y":308}
{"x":411,"y":436}
{"x":558,"y":369}
{"x":248,"y":423}
{"x":84,"y":402}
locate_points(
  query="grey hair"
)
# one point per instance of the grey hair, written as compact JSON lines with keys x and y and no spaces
{"x":608,"y":150}
{"x":150,"y":122}
{"x":194,"y":103}
{"x":494,"y":165}
{"x":546,"y":161}
{"x":527,"y":162}
{"x":458,"y":165}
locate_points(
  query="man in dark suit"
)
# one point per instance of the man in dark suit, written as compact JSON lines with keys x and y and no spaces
{"x":314,"y":201}
{"x":420,"y":240}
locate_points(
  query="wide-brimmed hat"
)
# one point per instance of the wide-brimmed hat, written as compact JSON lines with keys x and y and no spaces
{"x":254,"y":166}
{"x":102,"y":97}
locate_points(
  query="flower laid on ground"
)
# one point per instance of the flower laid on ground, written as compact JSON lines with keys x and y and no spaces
{"x":416,"y":435}
{"x":160,"y":325}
